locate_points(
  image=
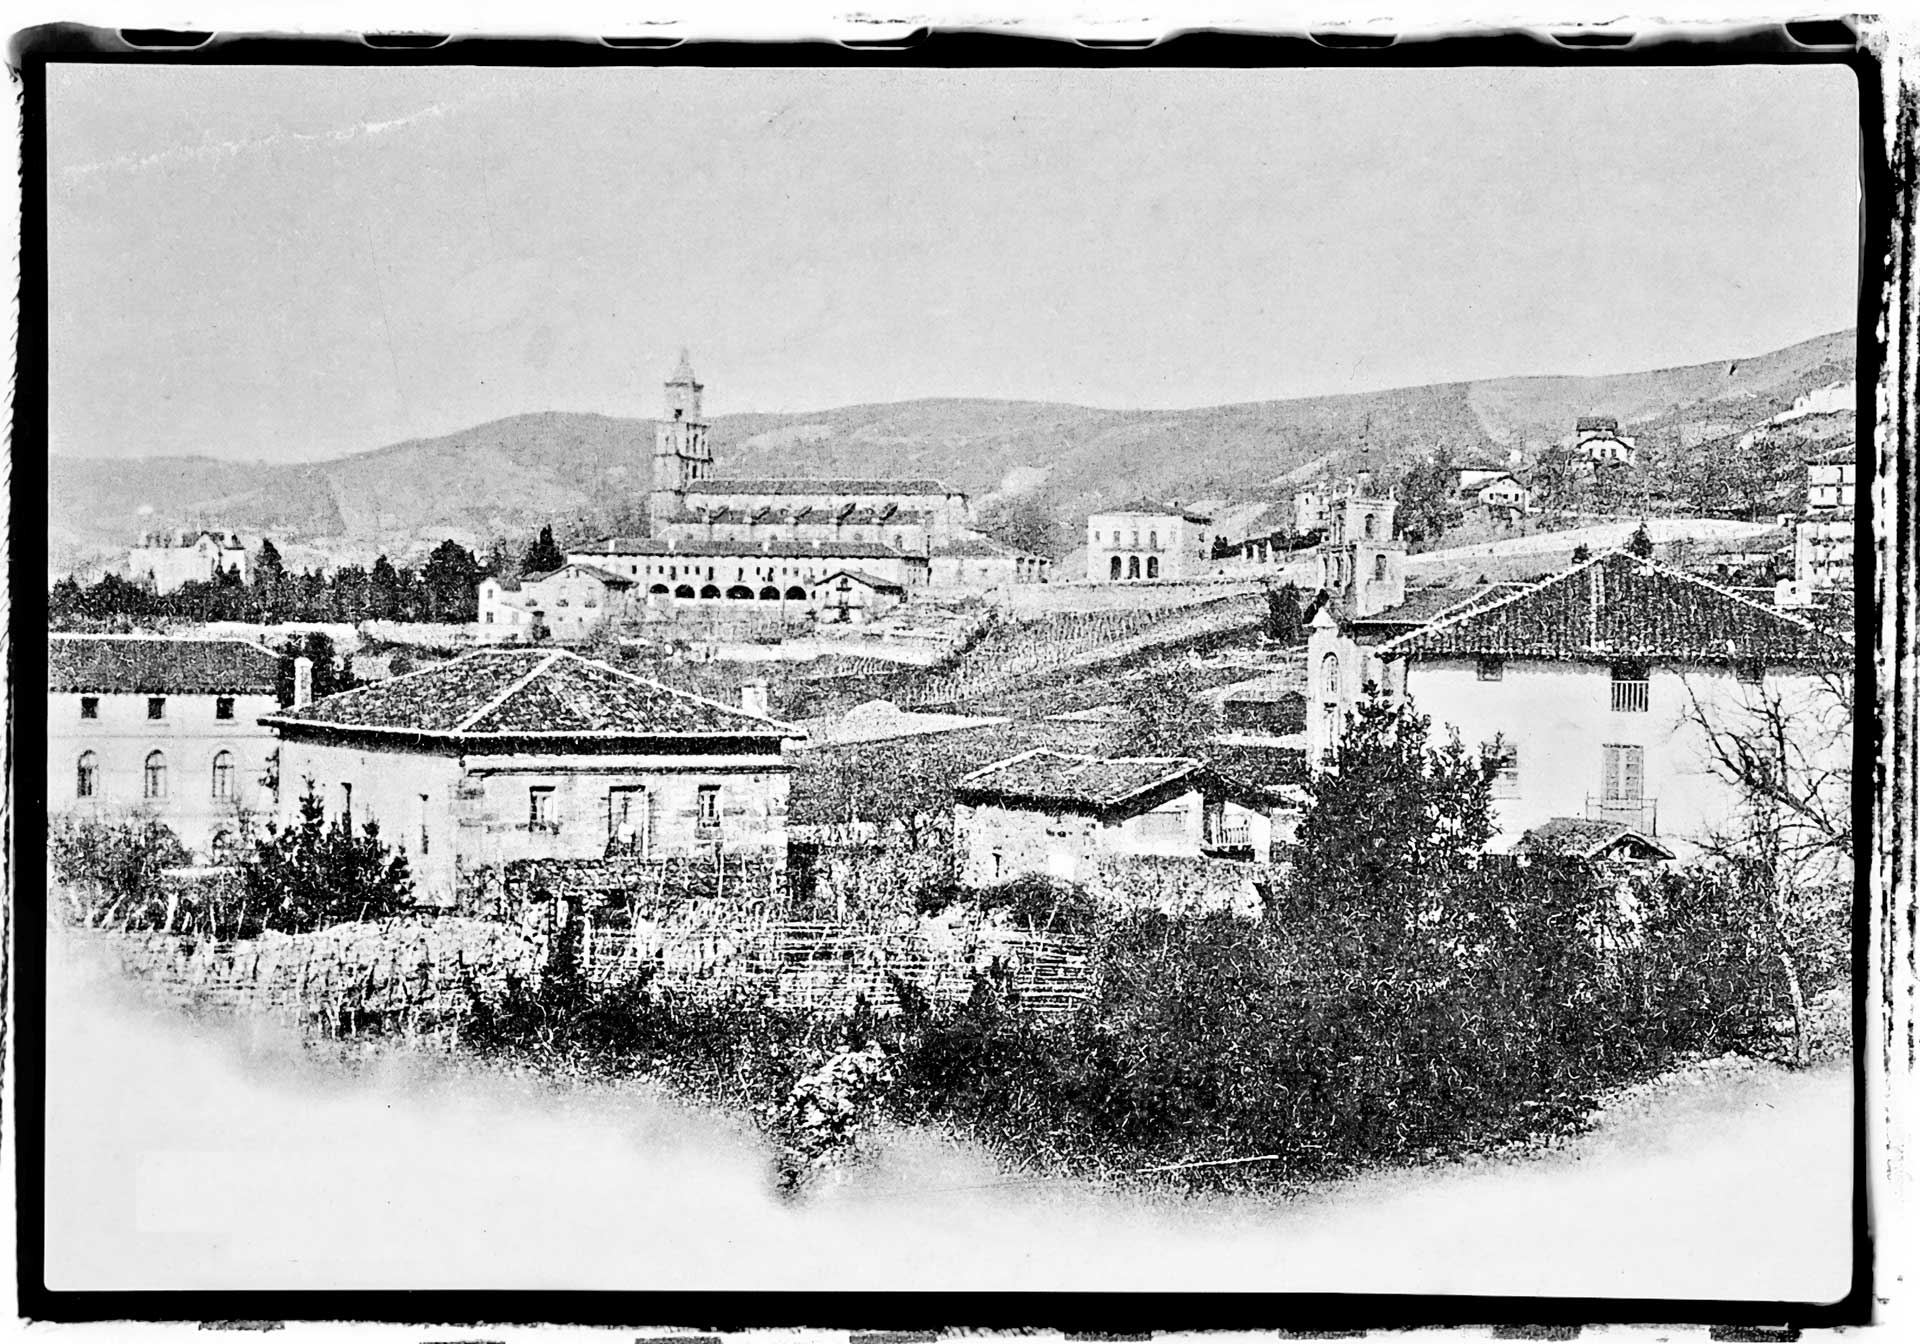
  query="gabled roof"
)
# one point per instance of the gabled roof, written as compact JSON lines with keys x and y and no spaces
{"x":1605,"y":424}
{"x":514,"y":693}
{"x":1101,"y":783}
{"x":824,"y":485}
{"x":591,"y":571}
{"x":157,"y":665}
{"x":862,"y":577}
{"x":1617,"y":606}
{"x":1582,"y":838}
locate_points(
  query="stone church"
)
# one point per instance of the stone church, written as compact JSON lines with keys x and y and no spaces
{"x":762,"y":538}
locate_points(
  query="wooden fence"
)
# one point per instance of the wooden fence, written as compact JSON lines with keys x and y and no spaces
{"x":827,"y":966}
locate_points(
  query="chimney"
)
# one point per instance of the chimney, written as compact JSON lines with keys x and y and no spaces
{"x":753,"y":698}
{"x":302,"y":681}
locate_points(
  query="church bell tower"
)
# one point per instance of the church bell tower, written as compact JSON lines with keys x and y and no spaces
{"x":681,"y":453}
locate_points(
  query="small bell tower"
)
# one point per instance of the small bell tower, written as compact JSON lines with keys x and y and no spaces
{"x":1363,"y":566}
{"x":681,"y":454}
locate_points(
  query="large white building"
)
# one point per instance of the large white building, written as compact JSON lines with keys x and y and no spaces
{"x":509,"y":754}
{"x":168,"y":560}
{"x":1590,"y":683}
{"x":141,"y":725}
{"x":1144,"y":542}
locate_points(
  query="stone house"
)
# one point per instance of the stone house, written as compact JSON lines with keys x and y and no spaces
{"x":508,"y":754}
{"x":567,"y":604}
{"x":1145,"y":541}
{"x":1051,"y":812}
{"x":1587,"y":682}
{"x":852,"y":596}
{"x":160,"y":727}
{"x":169,"y":559}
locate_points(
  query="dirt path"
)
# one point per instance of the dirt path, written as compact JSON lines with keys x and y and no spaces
{"x":228,"y":1158}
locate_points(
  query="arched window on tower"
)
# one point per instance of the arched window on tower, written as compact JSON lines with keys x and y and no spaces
{"x":1330,"y":675}
{"x":1153,"y":566}
{"x":1370,"y":528}
{"x":1153,"y":541}
{"x":1379,"y":567}
{"x":86,"y":782}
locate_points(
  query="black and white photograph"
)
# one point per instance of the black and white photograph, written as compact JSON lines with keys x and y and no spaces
{"x":837,"y":677}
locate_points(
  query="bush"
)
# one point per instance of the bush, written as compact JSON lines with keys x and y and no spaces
{"x":111,"y":869}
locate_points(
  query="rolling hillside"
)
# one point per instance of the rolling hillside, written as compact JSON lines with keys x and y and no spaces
{"x":584,"y":472}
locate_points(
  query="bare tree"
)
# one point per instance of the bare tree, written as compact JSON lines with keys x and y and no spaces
{"x":1791,"y":847}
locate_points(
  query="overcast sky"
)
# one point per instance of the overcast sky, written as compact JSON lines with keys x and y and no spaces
{"x":293,"y":263}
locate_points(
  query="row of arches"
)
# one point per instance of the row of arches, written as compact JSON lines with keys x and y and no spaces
{"x":154,"y":776}
{"x":1133,"y":570}
{"x":740,"y":592}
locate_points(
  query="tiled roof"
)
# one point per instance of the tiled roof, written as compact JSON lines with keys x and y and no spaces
{"x":1052,"y":777}
{"x":848,"y":515}
{"x":1618,"y":605}
{"x":527,"y":692}
{"x":591,"y":571}
{"x":1257,"y":765}
{"x":973,"y":544}
{"x":861,"y":576}
{"x":1605,"y":424}
{"x":1840,"y":452}
{"x":823,"y":485}
{"x":744,"y":550}
{"x":1581,"y":838}
{"x":1154,"y":509}
{"x":882,"y":721}
{"x":153,"y":665}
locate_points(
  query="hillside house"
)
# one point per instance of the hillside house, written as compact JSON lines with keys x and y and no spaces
{"x":1144,"y":541}
{"x":1597,"y":439}
{"x":1833,"y":481}
{"x":508,"y":754}
{"x":168,"y":560}
{"x":1586,"y":682}
{"x":1499,"y":492}
{"x":1310,"y":511}
{"x":565,"y":604}
{"x":166,"y":728}
{"x":1049,"y":812}
{"x":1823,"y":540}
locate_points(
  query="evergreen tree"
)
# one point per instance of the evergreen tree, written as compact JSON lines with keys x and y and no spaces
{"x":383,"y":591}
{"x":1391,"y":824}
{"x":449,"y":579}
{"x":269,"y":584}
{"x":1641,"y":543}
{"x":1283,"y":613}
{"x":543,"y":557}
{"x":1427,"y":503}
{"x":1581,"y":554}
{"x":317,"y":873}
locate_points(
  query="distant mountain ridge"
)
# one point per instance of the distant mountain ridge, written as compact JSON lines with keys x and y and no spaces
{"x":579,"y":471}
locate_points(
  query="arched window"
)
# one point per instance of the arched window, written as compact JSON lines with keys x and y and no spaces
{"x":86,"y":782}
{"x":659,"y":590}
{"x":154,"y":781}
{"x":709,"y":591}
{"x":1379,"y":566}
{"x":222,"y":776}
{"x":740,"y":593}
{"x":1371,"y":527}
{"x":1153,"y":541}
{"x":1153,"y":566}
{"x":1330,"y":675}
{"x":796,"y":594}
{"x":769,"y":594}
{"x":1133,"y":566}
{"x":1113,"y":570}
{"x":684,"y":590}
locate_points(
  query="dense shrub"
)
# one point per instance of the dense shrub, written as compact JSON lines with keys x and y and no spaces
{"x":109,"y":869}
{"x":316,"y":872}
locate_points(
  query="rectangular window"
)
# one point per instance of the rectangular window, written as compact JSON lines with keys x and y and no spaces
{"x":627,"y":820}
{"x":541,"y":815}
{"x":1626,"y":773}
{"x":223,"y":707}
{"x":89,"y":706}
{"x":424,"y":843}
{"x":1506,"y":771}
{"x":1629,"y":691}
{"x":706,"y":814}
{"x":346,"y":803}
{"x":1490,"y":668}
{"x":156,"y":706}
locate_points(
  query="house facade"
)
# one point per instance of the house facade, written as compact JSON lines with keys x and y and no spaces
{"x":1059,"y":814}
{"x":1590,"y":684}
{"x":564,"y":605}
{"x":168,"y":560}
{"x":165,"y":728}
{"x":978,"y":563}
{"x":511,"y":754}
{"x":1145,"y":542}
{"x":1597,"y":439}
{"x":850,"y":596}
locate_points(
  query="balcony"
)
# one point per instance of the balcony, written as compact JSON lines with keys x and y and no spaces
{"x":1629,"y":697}
{"x":1640,"y":814}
